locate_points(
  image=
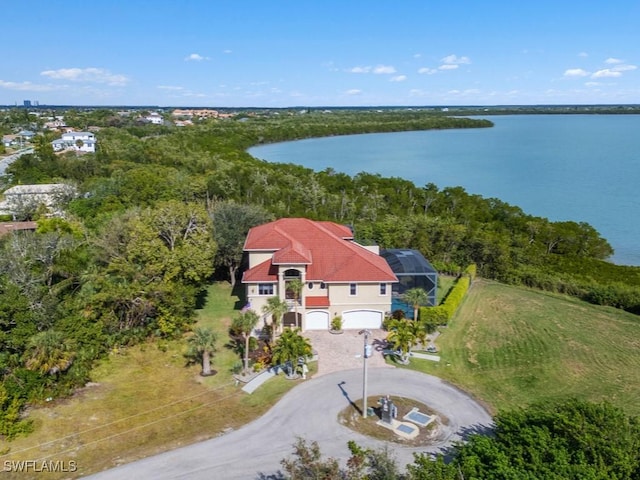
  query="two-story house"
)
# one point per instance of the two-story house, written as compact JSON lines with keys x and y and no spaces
{"x":340,"y":277}
{"x":78,"y":141}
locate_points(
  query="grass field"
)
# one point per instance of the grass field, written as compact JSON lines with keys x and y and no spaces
{"x":511,"y":346}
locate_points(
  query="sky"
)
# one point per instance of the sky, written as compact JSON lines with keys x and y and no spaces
{"x":289,"y":53}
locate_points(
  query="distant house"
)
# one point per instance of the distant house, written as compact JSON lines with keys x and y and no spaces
{"x":340,"y":277}
{"x":8,"y":227}
{"x":154,"y":118}
{"x":27,"y":135}
{"x":57,"y":123}
{"x":9,"y":140}
{"x":21,"y":197}
{"x":78,"y":141}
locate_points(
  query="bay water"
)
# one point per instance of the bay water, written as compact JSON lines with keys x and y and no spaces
{"x":584,"y":168}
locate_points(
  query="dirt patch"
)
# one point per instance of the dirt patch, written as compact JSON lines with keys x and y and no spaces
{"x":433,"y":433}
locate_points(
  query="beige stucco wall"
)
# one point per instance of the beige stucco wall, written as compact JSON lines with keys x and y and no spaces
{"x":256,"y":258}
{"x":367,"y":297}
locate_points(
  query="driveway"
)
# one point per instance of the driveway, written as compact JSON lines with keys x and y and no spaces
{"x":343,"y":351}
{"x":310,"y":411}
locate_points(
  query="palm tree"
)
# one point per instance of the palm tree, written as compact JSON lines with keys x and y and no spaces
{"x":289,"y":348}
{"x":203,"y":345}
{"x":244,"y":325}
{"x":49,"y":352}
{"x":415,"y":297}
{"x":402,"y":336}
{"x":295,"y":286}
{"x":276,"y":308}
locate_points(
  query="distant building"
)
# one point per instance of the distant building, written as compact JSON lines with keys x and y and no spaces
{"x":26,"y":103}
{"x":78,"y":141}
{"x":51,"y":195}
{"x":154,"y":118}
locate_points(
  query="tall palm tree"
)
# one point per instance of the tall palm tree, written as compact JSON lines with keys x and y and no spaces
{"x":276,"y":308}
{"x":49,"y":352}
{"x":402,"y":336}
{"x":296,"y":286}
{"x":203,"y":344}
{"x":415,"y":297}
{"x":244,"y":325}
{"x":289,"y":348}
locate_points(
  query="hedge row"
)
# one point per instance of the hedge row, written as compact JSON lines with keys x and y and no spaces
{"x":441,"y":314}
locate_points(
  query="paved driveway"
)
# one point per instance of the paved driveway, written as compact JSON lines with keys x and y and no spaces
{"x":344,"y":351}
{"x":310,"y":411}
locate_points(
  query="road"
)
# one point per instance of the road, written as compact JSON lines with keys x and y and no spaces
{"x":309,"y":411}
{"x":6,"y":161}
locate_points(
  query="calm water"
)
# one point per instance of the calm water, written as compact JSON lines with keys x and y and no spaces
{"x":563,"y":167}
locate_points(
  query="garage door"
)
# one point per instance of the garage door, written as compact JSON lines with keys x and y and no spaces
{"x":317,"y":320}
{"x":362,"y":319}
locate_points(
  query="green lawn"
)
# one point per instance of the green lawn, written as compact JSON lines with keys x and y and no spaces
{"x":511,"y":346}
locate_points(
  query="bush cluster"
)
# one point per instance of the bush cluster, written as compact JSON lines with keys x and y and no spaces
{"x":441,"y":314}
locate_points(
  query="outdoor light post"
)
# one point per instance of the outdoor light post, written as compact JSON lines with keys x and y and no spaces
{"x":366,"y":354}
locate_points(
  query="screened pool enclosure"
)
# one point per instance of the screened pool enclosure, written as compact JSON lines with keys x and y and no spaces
{"x":413,"y":271}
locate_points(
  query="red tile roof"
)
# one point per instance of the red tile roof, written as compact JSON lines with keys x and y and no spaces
{"x":325,"y":247}
{"x":13,"y":226}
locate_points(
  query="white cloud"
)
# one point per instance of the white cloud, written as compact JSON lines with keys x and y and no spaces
{"x":384,"y":69}
{"x":169,"y":87}
{"x":448,"y":66}
{"x":227,"y":51}
{"x":416,"y":92}
{"x":27,"y":86}
{"x":455,"y":60}
{"x":583,"y":54}
{"x":417,"y":55}
{"x":606,"y":73}
{"x":88,"y":75}
{"x":398,"y":78}
{"x":576,"y":72}
{"x":353,"y":91}
{"x":377,"y":70}
{"x":624,"y":68}
{"x":612,"y":61}
{"x":427,"y":71}
{"x":593,"y":84}
{"x":195,"y":57}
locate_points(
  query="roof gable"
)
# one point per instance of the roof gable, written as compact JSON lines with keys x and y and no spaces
{"x":325,"y":247}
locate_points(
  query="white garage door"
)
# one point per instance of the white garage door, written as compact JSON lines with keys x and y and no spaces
{"x":362,"y":319}
{"x":317,"y":320}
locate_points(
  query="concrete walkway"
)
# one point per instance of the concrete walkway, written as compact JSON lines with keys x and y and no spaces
{"x":310,"y":411}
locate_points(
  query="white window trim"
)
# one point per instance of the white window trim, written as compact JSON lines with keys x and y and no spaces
{"x":273,"y":289}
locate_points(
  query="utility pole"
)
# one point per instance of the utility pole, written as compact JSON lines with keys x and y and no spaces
{"x":366,"y":354}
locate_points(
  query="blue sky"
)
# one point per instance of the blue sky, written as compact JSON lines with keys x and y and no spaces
{"x":242,"y":53}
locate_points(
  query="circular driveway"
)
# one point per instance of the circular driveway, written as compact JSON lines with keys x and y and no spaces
{"x":310,"y":411}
